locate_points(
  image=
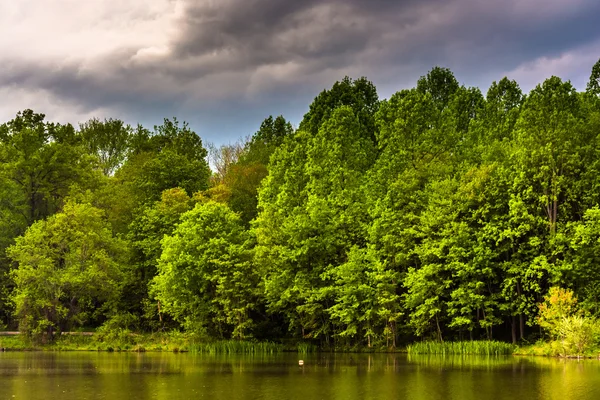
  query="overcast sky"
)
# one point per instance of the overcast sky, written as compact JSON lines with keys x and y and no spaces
{"x":224,"y":65}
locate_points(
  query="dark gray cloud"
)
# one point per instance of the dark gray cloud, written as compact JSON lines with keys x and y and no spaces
{"x":225,"y":65}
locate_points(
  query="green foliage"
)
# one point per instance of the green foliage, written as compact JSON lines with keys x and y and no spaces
{"x":145,"y":235}
{"x":109,"y":140}
{"x":573,"y":332}
{"x":437,"y":213}
{"x":206,"y":280}
{"x":271,"y":134}
{"x":242,"y":170}
{"x":365,"y":299}
{"x":172,"y":156}
{"x":593,"y":86}
{"x":113,"y":337}
{"x":502,"y":109}
{"x":577,"y":334}
{"x":12,"y":224}
{"x":68,"y":270}
{"x":584,"y":258}
{"x":440,"y":84}
{"x":42,"y":160}
{"x":548,"y":152}
{"x":410,"y":135}
{"x":280,"y":220}
{"x":360,"y":95}
{"x":326,"y":170}
{"x":40,"y":163}
{"x":558,"y":305}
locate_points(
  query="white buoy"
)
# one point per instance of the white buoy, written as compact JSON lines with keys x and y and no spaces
{"x":300,"y":362}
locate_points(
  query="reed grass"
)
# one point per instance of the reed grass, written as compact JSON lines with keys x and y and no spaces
{"x":235,"y":347}
{"x":306,"y":348}
{"x":483,"y":347}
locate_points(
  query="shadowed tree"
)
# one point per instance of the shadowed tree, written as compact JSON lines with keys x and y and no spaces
{"x":109,"y":140}
{"x":593,"y":86}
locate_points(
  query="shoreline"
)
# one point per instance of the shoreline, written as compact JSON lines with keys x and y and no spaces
{"x":181,"y":343}
{"x":163,"y":345}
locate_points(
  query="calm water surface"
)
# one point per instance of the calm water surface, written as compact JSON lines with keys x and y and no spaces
{"x":184,"y":376}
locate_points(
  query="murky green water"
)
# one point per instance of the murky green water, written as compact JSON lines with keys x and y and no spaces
{"x":184,"y":376}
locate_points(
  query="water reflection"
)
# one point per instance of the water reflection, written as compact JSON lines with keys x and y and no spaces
{"x":324,"y":376}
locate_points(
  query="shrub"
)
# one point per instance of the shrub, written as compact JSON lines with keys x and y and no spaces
{"x":577,"y":334}
{"x":572,"y":331}
{"x":558,"y":304}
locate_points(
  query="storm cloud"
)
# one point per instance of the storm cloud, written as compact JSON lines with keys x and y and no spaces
{"x":224,"y":65}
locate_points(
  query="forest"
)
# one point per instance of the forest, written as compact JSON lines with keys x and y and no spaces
{"x":440,"y":213}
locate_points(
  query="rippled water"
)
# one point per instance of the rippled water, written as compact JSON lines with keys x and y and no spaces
{"x":65,"y":376}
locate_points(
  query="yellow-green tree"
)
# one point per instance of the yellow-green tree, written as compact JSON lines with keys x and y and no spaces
{"x":206,"y":280}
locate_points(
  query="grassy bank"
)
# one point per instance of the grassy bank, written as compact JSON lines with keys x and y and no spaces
{"x":181,"y":342}
{"x":557,"y":349}
{"x":155,"y":342}
{"x":123,"y":341}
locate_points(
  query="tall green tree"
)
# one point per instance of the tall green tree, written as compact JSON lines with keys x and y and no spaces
{"x":593,"y":86}
{"x":548,"y":142}
{"x":280,"y":203}
{"x":206,"y":279}
{"x":318,"y":214}
{"x":365,"y":301}
{"x":13,"y":223}
{"x":44,"y":160}
{"x":360,"y":95}
{"x":241,"y":167}
{"x":172,"y":156}
{"x":440,"y":84}
{"x":502,"y":108}
{"x":68,"y":269}
{"x":145,"y":235}
{"x":581,"y":272}
{"x":109,"y":140}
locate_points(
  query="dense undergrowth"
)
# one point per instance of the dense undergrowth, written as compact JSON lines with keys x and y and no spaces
{"x":556,"y":348}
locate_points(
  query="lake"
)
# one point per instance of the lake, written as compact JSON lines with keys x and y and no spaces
{"x":80,"y":375}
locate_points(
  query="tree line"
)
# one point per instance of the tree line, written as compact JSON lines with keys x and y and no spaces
{"x":440,"y":213}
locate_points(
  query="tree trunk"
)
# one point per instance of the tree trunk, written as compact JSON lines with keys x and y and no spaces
{"x":521,"y":317}
{"x":488,"y":329}
{"x":159,"y":312}
{"x":554,"y":216}
{"x":522,"y":326}
{"x":439,"y":330}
